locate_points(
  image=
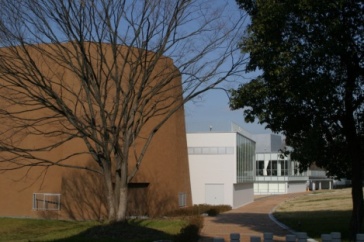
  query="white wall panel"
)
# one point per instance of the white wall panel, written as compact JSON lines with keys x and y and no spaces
{"x":297,"y":186}
{"x":212,"y":169}
{"x":243,"y":194}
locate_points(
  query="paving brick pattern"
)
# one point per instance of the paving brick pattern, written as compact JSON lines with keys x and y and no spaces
{"x":250,"y":220}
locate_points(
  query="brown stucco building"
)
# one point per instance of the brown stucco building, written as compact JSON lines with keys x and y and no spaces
{"x":161,"y":184}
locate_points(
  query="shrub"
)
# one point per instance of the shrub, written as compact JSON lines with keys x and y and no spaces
{"x":191,"y":231}
{"x":211,"y":210}
{"x":217,"y":209}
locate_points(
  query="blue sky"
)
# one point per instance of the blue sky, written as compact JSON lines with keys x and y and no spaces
{"x":212,"y":109}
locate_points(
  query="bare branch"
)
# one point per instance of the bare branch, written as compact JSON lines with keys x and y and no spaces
{"x":98,"y":79}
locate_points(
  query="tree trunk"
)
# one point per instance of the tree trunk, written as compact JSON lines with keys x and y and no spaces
{"x":110,"y":195}
{"x":357,"y":198}
{"x":353,"y":141}
{"x":117,"y":201}
{"x":355,"y":156}
{"x":111,"y":208}
{"x":122,"y":206}
{"x":121,"y":190}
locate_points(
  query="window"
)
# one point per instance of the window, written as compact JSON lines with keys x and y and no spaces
{"x":245,"y":157}
{"x":197,"y":150}
{"x":260,"y":168}
{"x":221,"y":150}
{"x":229,"y":150}
{"x":182,"y":197}
{"x":206,"y":150}
{"x":274,"y":168}
{"x":285,"y":168}
{"x":46,"y":201}
{"x":211,"y":150}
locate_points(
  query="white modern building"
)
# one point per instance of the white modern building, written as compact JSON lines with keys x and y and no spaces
{"x":221,"y":168}
{"x":274,"y":172}
{"x":230,"y":167}
{"x":318,"y":179}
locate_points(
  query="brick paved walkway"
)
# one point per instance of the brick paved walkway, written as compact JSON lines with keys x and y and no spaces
{"x":250,"y":220}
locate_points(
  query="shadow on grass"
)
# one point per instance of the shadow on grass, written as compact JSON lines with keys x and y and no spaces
{"x":255,"y":222}
{"x":316,"y":223}
{"x":133,"y":232}
{"x":123,"y":232}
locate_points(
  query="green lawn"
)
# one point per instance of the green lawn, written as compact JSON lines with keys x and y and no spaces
{"x":315,"y":213}
{"x":12,"y":229}
{"x":318,"y":213}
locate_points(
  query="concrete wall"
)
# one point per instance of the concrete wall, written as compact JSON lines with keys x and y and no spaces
{"x":243,"y":194}
{"x":216,"y":170}
{"x":267,"y":143}
{"x":299,"y":186}
{"x":210,"y":169}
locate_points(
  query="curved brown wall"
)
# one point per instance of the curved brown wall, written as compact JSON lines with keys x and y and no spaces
{"x":163,"y":174}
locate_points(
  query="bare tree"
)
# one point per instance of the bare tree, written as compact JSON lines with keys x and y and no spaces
{"x":99,"y":71}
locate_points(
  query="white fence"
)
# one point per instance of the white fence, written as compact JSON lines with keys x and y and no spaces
{"x":295,"y":237}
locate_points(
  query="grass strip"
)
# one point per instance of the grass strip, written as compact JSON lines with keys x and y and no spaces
{"x":14,"y":229}
{"x":318,"y":212}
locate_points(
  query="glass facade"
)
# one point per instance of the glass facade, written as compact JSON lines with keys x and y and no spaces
{"x":273,"y":164}
{"x":272,"y":168}
{"x":245,"y":157}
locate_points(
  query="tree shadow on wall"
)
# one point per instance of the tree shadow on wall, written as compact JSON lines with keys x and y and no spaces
{"x":151,"y":196}
{"x":84,"y":196}
{"x":138,"y":199}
